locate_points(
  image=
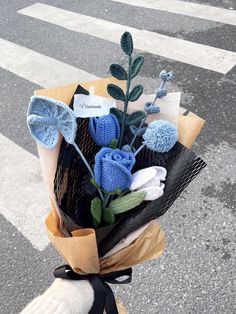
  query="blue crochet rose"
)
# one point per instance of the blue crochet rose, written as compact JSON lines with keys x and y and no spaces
{"x":104,"y":129}
{"x":113,"y":169}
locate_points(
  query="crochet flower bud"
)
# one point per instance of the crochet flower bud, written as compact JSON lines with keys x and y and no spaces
{"x":149,"y":180}
{"x":104,"y":129}
{"x":151,"y":108}
{"x":160,"y":136}
{"x":166,"y":76}
{"x":113,"y":169}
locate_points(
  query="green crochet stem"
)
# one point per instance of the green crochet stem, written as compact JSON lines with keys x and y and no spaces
{"x":87,"y":165}
{"x":126,"y":102}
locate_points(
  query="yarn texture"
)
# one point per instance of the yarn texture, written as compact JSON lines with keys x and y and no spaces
{"x":47,"y":117}
{"x":149,"y":180}
{"x":104,"y":129}
{"x":63,"y":297}
{"x":160,"y":136}
{"x":113,"y":169}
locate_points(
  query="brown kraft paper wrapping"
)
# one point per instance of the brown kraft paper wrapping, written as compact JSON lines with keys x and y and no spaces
{"x":80,"y":250}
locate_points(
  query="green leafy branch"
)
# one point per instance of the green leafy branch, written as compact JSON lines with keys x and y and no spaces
{"x":133,"y":94}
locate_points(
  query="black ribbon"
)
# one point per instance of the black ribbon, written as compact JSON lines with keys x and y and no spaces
{"x":103,"y":294}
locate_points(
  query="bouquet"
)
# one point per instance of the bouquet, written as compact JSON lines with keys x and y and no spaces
{"x":110,"y":172}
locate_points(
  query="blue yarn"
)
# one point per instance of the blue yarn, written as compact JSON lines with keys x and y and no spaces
{"x":126,"y":148}
{"x":150,"y":108}
{"x":166,"y":76}
{"x":160,"y":136}
{"x":160,"y":93}
{"x":104,"y":129}
{"x":113,"y":169}
{"x":46,"y":117}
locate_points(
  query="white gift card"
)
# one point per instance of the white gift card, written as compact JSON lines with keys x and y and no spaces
{"x":92,"y":106}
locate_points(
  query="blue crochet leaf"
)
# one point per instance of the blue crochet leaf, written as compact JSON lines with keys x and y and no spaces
{"x":47,"y":117}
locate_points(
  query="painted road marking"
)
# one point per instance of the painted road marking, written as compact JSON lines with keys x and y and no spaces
{"x":23,"y":197}
{"x":199,"y":55}
{"x":38,"y":68}
{"x":196,"y":10}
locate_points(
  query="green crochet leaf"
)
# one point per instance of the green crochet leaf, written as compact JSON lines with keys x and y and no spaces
{"x":136,"y":93}
{"x":118,"y":72}
{"x":126,"y":42}
{"x":118,"y":113}
{"x":135,"y":117}
{"x":115,"y":92}
{"x":113,"y":143}
{"x":136,"y":66}
{"x":108,"y":216}
{"x":96,"y":211}
{"x":127,"y":202}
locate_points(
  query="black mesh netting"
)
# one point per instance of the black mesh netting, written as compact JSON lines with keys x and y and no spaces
{"x":74,"y":192}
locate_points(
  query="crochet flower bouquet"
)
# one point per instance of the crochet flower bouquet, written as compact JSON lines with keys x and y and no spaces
{"x":109,"y":176}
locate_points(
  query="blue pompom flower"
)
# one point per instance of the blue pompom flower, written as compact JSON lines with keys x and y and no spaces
{"x":104,"y":129}
{"x":47,"y":117}
{"x":160,"y":136}
{"x":113,"y":169}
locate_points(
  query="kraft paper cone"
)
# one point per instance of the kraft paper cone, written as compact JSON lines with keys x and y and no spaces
{"x":189,"y":128}
{"x":80,"y":250}
{"x":149,"y":245}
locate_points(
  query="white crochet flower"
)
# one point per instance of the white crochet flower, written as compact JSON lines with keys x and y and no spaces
{"x":149,"y":180}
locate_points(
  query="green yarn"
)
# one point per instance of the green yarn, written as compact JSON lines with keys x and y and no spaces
{"x":136,"y":66}
{"x":115,"y":92}
{"x":118,"y":72}
{"x":127,"y":202}
{"x":96,"y":211}
{"x":126,"y":43}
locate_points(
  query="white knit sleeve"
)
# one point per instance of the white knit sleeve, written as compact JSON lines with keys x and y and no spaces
{"x":63,"y":297}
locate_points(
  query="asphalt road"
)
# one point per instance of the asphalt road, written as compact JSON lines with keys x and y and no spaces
{"x":196,"y":274}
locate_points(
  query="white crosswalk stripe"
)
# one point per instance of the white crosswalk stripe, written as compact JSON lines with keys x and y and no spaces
{"x":196,"y":10}
{"x":23,"y":197}
{"x":37,"y":68}
{"x":199,"y":55}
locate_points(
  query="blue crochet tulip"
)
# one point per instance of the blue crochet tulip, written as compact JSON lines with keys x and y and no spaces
{"x":104,"y":129}
{"x":47,"y":117}
{"x":113,"y":169}
{"x":160,"y":136}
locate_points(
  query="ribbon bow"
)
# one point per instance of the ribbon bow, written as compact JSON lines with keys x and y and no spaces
{"x":104,"y":297}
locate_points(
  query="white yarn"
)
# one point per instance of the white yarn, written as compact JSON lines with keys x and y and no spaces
{"x":149,"y":180}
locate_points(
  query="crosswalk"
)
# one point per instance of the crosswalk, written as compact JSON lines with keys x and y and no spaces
{"x":192,"y":9}
{"x":21,"y":208}
{"x":195,"y":54}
